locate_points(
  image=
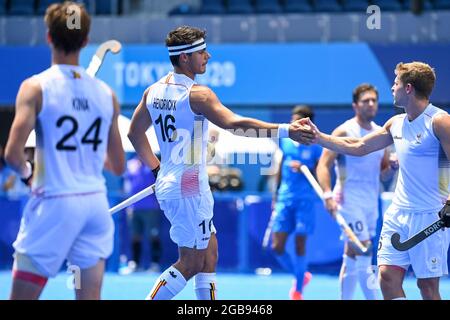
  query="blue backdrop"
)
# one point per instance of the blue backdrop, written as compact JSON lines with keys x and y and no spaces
{"x":250,"y":74}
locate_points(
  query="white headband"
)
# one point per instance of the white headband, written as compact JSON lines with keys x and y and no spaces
{"x":187,"y":48}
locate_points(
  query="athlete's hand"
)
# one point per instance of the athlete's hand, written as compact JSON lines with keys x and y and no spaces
{"x":295,"y":165}
{"x":27,"y":174}
{"x":331,"y":206}
{"x":444,"y":214}
{"x":301,"y":131}
{"x":393,"y":161}
{"x":155,"y":172}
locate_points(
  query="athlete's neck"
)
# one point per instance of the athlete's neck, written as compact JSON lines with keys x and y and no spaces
{"x":187,"y":73}
{"x":365,"y":124}
{"x":415,"y":108}
{"x":60,"y":57}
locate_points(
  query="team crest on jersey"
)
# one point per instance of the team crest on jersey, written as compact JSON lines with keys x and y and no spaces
{"x":75,"y":75}
{"x":419,"y":138}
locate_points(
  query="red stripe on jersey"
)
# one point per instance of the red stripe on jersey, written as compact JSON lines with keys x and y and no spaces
{"x":190,"y":185}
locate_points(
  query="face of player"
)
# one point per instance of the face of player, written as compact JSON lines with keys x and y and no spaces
{"x":367,"y":105}
{"x":198,"y":61}
{"x":398,"y":93}
{"x":295,"y":117}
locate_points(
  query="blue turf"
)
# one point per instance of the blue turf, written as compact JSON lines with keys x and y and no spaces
{"x":231,"y":286}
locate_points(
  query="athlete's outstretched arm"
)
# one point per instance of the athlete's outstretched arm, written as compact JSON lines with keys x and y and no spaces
{"x":140,"y":122}
{"x":204,"y":101}
{"x":115,"y":156}
{"x":28,"y":105}
{"x":441,"y":127}
{"x":374,"y":141}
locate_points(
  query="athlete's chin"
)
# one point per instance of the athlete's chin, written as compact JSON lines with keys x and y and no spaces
{"x":398,"y":105}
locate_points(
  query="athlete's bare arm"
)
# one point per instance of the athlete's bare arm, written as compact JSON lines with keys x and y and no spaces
{"x":323,"y":170}
{"x":374,"y":141}
{"x":441,"y":127}
{"x":140,"y":122}
{"x":204,"y":101}
{"x":28,"y":105}
{"x":388,"y":166}
{"x":326,"y":162}
{"x":115,"y":156}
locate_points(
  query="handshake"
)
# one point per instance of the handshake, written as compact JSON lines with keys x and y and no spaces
{"x":304,"y":131}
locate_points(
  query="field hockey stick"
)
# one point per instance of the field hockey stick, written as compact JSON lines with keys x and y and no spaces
{"x":111,"y":45}
{"x":339,"y":218}
{"x":133,"y":199}
{"x":417,"y":238}
{"x":268,"y":230}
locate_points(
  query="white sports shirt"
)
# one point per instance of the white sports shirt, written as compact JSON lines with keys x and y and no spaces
{"x":424,"y":174}
{"x":358,"y":178}
{"x":182,"y":137}
{"x":72,"y":131}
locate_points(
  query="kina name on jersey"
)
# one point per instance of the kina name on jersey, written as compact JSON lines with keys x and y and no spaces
{"x":80,"y":104}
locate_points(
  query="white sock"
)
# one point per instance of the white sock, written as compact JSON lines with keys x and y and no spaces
{"x":367,"y":277}
{"x":168,"y":285}
{"x":205,"y":286}
{"x":400,"y":298}
{"x":348,"y":278}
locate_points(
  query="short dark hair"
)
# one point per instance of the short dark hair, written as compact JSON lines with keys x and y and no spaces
{"x":57,"y":17}
{"x":183,"y":35}
{"x":303,"y":111}
{"x":362,"y":88}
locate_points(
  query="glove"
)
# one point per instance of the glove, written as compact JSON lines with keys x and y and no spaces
{"x":27,"y":178}
{"x":155,"y":171}
{"x":444,"y":214}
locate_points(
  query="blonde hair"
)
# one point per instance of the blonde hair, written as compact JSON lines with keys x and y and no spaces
{"x":420,"y":75}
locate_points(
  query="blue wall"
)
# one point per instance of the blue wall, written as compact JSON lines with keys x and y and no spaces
{"x":244,"y":74}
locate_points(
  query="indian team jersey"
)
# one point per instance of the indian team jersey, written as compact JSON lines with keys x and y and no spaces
{"x":182,"y":138}
{"x":423,"y":178}
{"x":294,"y":184}
{"x":358,"y":178}
{"x":72,"y":131}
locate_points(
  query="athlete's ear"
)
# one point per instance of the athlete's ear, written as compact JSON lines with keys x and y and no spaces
{"x":409,"y":88}
{"x":49,"y":38}
{"x":183,"y":57}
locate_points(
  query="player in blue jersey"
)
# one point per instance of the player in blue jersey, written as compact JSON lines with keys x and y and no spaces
{"x":294,"y":205}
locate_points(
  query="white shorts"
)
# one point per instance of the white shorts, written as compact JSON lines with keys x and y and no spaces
{"x":78,"y":228}
{"x":428,"y":258}
{"x":190,"y":219}
{"x":362,"y":220}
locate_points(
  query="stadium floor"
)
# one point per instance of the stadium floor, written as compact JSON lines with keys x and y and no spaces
{"x":232,"y":286}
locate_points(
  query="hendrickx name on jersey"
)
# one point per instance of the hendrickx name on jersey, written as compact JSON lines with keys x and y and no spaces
{"x":164,"y":104}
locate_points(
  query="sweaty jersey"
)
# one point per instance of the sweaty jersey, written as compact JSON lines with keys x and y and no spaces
{"x":72,"y":131}
{"x":182,"y":138}
{"x":423,"y":178}
{"x":358,"y":178}
{"x":294,"y":185}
